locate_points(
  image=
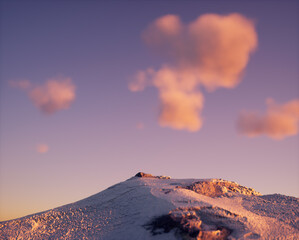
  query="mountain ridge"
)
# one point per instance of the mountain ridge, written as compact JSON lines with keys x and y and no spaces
{"x":158,"y":207}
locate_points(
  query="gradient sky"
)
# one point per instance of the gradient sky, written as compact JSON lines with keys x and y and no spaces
{"x":108,"y":133}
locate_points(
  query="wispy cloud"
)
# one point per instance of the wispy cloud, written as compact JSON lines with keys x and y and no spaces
{"x":21,"y":84}
{"x":210,"y":52}
{"x":42,"y":148}
{"x":279,"y":121}
{"x":141,"y":80}
{"x":56,"y":94}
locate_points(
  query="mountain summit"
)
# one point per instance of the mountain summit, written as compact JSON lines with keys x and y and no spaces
{"x":158,"y":207}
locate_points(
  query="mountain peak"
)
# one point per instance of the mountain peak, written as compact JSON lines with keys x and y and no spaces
{"x":157,"y":207}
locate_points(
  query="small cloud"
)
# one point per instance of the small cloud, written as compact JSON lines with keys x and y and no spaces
{"x":210,"y":52}
{"x":279,"y":121}
{"x":56,"y":94}
{"x":42,"y":148}
{"x":140,"y":126}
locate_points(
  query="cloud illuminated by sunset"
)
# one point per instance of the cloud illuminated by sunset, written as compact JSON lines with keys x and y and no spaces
{"x":279,"y":121}
{"x":210,"y":52}
{"x":42,"y":148}
{"x":56,"y":94}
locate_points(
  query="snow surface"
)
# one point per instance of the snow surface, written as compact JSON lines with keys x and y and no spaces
{"x":128,"y":210}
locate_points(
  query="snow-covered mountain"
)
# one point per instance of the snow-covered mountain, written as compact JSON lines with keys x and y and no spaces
{"x":148,"y":207}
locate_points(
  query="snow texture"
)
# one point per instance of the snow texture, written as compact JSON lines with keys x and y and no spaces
{"x":160,"y":208}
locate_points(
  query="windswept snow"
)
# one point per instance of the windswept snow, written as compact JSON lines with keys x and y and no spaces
{"x":149,"y":207}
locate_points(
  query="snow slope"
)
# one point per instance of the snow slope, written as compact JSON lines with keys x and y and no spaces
{"x":149,"y":207}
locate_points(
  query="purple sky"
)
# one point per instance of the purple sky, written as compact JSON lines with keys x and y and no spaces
{"x":96,"y":141}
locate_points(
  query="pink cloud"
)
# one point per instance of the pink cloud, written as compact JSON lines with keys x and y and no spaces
{"x":210,"y":52}
{"x":279,"y":121}
{"x":56,"y":94}
{"x":141,"y":80}
{"x":180,"y":103}
{"x":42,"y":148}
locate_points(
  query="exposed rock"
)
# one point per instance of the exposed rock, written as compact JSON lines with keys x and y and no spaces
{"x":219,"y":187}
{"x":202,"y":223}
{"x":144,"y":175}
{"x":147,"y":175}
{"x":163,"y":177}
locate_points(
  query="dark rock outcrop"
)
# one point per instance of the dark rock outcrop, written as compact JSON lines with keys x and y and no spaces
{"x":147,"y":175}
{"x":144,"y":175}
{"x":203,"y":223}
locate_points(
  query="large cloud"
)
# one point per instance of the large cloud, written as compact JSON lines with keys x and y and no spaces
{"x":56,"y":94}
{"x":210,"y":52}
{"x":278,"y":122}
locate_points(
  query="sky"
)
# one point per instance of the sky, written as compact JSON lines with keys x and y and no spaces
{"x":93,"y":92}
